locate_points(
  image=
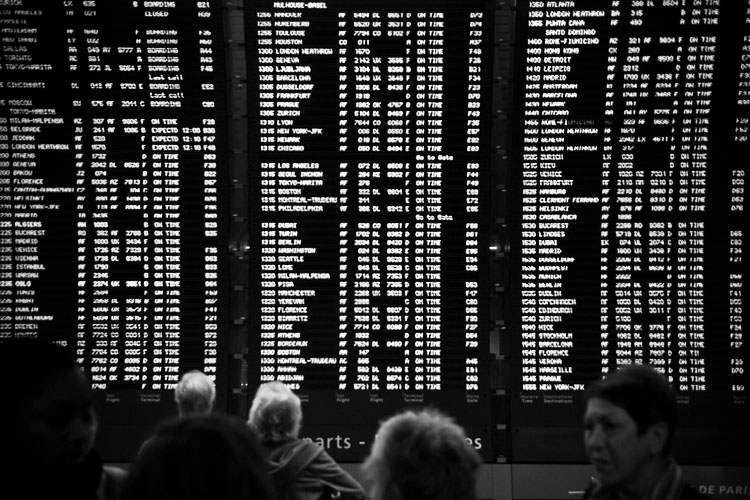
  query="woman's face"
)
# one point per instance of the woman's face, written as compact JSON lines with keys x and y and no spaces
{"x":615,"y":448}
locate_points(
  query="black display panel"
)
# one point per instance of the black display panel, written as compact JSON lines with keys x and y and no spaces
{"x":369,"y":231}
{"x":112,"y":198}
{"x":375,"y":189}
{"x":627,"y":212}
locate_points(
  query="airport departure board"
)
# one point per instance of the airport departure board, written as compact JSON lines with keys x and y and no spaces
{"x":478,"y":206}
{"x":628,"y":215}
{"x":369,"y":176}
{"x":112,"y":197}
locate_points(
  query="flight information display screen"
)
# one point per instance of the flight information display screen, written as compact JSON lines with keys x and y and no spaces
{"x":452,"y":204}
{"x":628,"y":211}
{"x":369,"y":183}
{"x":112,"y":195}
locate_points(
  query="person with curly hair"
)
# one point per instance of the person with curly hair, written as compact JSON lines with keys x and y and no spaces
{"x":421,"y":455}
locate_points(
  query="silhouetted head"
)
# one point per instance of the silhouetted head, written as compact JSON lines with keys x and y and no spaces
{"x":48,"y":418}
{"x":200,"y":458}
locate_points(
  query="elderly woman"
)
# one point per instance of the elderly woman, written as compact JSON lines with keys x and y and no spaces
{"x":299,"y":468}
{"x":421,"y":455}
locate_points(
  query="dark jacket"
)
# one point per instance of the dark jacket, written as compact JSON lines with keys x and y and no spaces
{"x":671,"y":486}
{"x":89,"y":480}
{"x":300,"y":470}
{"x":688,"y":493}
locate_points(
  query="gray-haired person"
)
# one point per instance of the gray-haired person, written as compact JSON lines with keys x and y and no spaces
{"x":299,"y":468}
{"x":194,"y":395}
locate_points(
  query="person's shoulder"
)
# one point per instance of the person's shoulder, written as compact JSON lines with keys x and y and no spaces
{"x":595,"y":491}
{"x":296,"y":445}
{"x":692,"y":493}
{"x":283,"y":450}
{"x":307,"y":443}
{"x":146,"y":443}
{"x":311,"y":450}
{"x":114,"y":472}
{"x":111,"y":483}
